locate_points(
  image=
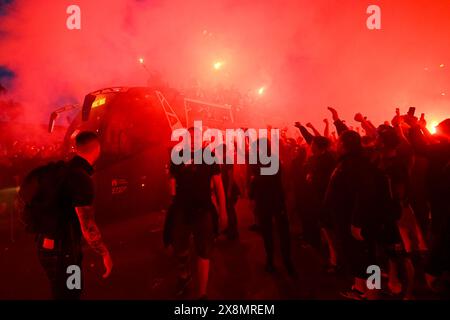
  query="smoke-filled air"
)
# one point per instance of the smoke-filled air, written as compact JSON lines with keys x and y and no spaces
{"x":304,"y":55}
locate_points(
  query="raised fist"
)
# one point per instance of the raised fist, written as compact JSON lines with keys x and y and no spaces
{"x":359,"y":117}
{"x":334,"y":113}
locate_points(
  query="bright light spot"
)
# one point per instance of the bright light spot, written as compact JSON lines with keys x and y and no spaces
{"x":218,"y":65}
{"x":443,"y":94}
{"x":141,"y":60}
{"x":74,"y":134}
{"x":99,"y":101}
{"x":441,"y":65}
{"x":426,"y":68}
{"x":261,"y":91}
{"x":432,"y":127}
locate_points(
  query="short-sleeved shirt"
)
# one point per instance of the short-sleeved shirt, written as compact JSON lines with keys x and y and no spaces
{"x":193,"y":183}
{"x":267,"y":190}
{"x":78,"y":191}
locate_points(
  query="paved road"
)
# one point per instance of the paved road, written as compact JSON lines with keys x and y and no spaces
{"x":145,"y":270}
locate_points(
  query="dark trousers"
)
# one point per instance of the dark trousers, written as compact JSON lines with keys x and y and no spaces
{"x":311,"y":227}
{"x":232,"y":217}
{"x":439,"y":256}
{"x":55,"y":263}
{"x":356,"y":255}
{"x":421,"y":212}
{"x":266,"y":218}
{"x":201,"y":224}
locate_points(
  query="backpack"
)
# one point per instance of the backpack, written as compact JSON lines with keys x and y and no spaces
{"x":41,"y":198}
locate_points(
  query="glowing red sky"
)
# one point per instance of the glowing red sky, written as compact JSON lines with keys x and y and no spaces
{"x":309,"y":54}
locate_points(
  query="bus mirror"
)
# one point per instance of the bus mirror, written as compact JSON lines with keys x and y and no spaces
{"x":87,"y":105}
{"x":51,"y":123}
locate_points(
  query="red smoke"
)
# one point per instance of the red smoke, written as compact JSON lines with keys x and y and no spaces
{"x":307,"y":54}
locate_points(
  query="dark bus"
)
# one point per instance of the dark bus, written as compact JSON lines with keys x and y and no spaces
{"x":134,"y":126}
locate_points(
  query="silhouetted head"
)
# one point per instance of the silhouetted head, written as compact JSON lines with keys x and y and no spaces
{"x":88,"y":146}
{"x":301,"y":154}
{"x":387,"y":137}
{"x":319,"y":144}
{"x":350,"y":142}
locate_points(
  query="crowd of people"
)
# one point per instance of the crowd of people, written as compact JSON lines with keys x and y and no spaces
{"x":364,"y":197}
{"x":370,"y":196}
{"x":17,"y":158}
{"x":360,"y":197}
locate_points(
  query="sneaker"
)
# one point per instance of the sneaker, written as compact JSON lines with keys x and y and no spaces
{"x":353,"y":294}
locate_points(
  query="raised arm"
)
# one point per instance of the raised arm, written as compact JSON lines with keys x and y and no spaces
{"x":305,"y":133}
{"x":326,"y":130}
{"x":397,"y":123}
{"x":416,"y":137}
{"x":368,"y":127}
{"x":423,"y":126}
{"x":338,"y":123}
{"x":316,"y":132}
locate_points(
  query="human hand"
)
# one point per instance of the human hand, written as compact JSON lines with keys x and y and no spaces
{"x":359,"y":117}
{"x":422,"y":122}
{"x":334,"y":113}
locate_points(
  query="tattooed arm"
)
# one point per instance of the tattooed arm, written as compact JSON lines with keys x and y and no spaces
{"x":93,"y":236}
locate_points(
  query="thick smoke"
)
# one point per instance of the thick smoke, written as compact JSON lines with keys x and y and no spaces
{"x":308,"y":54}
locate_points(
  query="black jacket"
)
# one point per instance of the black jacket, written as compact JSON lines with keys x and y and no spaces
{"x":358,"y":195}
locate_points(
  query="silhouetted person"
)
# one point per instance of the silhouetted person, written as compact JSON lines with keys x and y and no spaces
{"x":58,"y":202}
{"x":193,"y":213}
{"x":394,"y":160}
{"x":437,"y":152}
{"x":353,"y":200}
{"x":318,"y":171}
{"x":270,"y":209}
{"x":231,"y":197}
